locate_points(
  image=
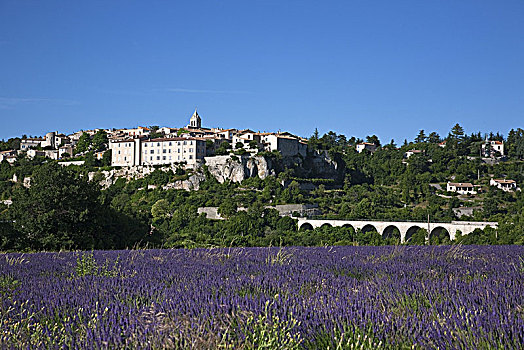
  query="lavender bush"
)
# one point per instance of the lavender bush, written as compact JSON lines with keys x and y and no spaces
{"x":265,"y":298}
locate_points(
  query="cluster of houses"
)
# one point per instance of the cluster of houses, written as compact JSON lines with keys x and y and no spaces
{"x":468,"y":188}
{"x":191,"y":144}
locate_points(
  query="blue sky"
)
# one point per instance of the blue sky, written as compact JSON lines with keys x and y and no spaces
{"x":388,"y":68}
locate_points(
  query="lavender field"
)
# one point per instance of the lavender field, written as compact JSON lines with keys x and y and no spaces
{"x":265,"y":298}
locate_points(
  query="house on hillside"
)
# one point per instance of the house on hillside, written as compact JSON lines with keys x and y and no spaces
{"x":412,"y":152}
{"x":504,"y":185}
{"x":371,"y":147}
{"x":490,"y":148}
{"x":462,"y":187}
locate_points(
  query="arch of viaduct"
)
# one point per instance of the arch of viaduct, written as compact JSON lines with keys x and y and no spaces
{"x":406,"y":228}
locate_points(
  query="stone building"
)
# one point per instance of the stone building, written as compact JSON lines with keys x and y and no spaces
{"x":461,"y":187}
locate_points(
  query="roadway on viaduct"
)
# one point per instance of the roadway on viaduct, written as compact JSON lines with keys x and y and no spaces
{"x":406,"y":228}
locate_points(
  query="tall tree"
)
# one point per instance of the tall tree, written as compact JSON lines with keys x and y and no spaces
{"x":457,"y":132}
{"x":99,"y":142}
{"x":60,"y":210}
{"x":421,"y":137}
{"x":84,"y":142}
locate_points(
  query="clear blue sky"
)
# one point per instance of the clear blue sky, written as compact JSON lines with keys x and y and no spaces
{"x":365,"y":67}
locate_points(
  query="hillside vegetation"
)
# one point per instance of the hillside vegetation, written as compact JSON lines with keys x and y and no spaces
{"x":63,"y":210}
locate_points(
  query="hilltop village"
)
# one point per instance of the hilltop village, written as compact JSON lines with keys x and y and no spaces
{"x":197,"y":186}
{"x":189,"y":146}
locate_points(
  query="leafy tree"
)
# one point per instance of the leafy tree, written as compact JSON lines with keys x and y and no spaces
{"x":59,"y":210}
{"x":99,"y":141}
{"x":223,"y":148}
{"x":84,"y":142}
{"x":228,"y":208}
{"x":373,"y":139}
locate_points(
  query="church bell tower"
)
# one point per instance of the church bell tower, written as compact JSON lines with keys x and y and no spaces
{"x":195,"y":121}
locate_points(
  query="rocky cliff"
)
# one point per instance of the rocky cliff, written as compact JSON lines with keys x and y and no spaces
{"x":228,"y":168}
{"x":239,"y":168}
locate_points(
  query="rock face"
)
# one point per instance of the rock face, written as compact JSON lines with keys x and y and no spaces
{"x":227,"y":168}
{"x":238,"y":168}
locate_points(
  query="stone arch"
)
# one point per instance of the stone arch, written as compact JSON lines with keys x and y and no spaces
{"x":439,"y":235}
{"x":368,"y":228}
{"x":326,"y":225}
{"x":391,"y":231}
{"x":306,"y":226}
{"x":410,"y":232}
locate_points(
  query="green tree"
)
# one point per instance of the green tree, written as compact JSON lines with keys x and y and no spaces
{"x":421,"y":137}
{"x":84,"y":142}
{"x":99,"y":142}
{"x":61,"y":210}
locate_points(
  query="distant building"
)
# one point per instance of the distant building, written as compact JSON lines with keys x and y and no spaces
{"x":195,"y":121}
{"x":504,"y":185}
{"x":287,"y":145}
{"x":490,"y":147}
{"x":157,"y":151}
{"x":5,"y":155}
{"x":125,"y":152}
{"x":366,"y":146}
{"x":172,"y":150}
{"x":461,"y":187}
{"x":442,"y":144}
{"x":412,"y":152}
{"x":26,"y":144}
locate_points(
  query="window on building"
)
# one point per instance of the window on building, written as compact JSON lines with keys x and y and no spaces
{"x":164,"y":151}
{"x":158,"y":144}
{"x":190,"y":157}
{"x":157,"y":157}
{"x":152,"y":151}
{"x":164,"y":158}
{"x":169,"y":143}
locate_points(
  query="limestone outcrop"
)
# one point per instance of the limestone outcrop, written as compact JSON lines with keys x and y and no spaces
{"x":227,"y":168}
{"x":238,"y":168}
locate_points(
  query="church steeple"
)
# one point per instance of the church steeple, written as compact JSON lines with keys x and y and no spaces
{"x":195,"y":121}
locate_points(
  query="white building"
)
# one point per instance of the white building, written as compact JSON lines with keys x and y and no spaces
{"x":285,"y":144}
{"x":157,"y":151}
{"x":492,"y":146}
{"x":412,"y":152}
{"x":125,"y":152}
{"x":34,"y":142}
{"x":366,"y":145}
{"x":139,"y":131}
{"x":504,"y":185}
{"x":5,"y":155}
{"x":461,"y":187}
{"x":172,"y":150}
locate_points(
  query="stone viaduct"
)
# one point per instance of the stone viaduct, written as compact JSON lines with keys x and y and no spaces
{"x":406,"y":228}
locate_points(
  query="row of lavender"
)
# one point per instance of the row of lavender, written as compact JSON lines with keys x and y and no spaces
{"x":294,"y":298}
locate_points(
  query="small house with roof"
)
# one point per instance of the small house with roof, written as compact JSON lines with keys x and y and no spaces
{"x":504,"y":184}
{"x":461,"y":187}
{"x":371,"y":147}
